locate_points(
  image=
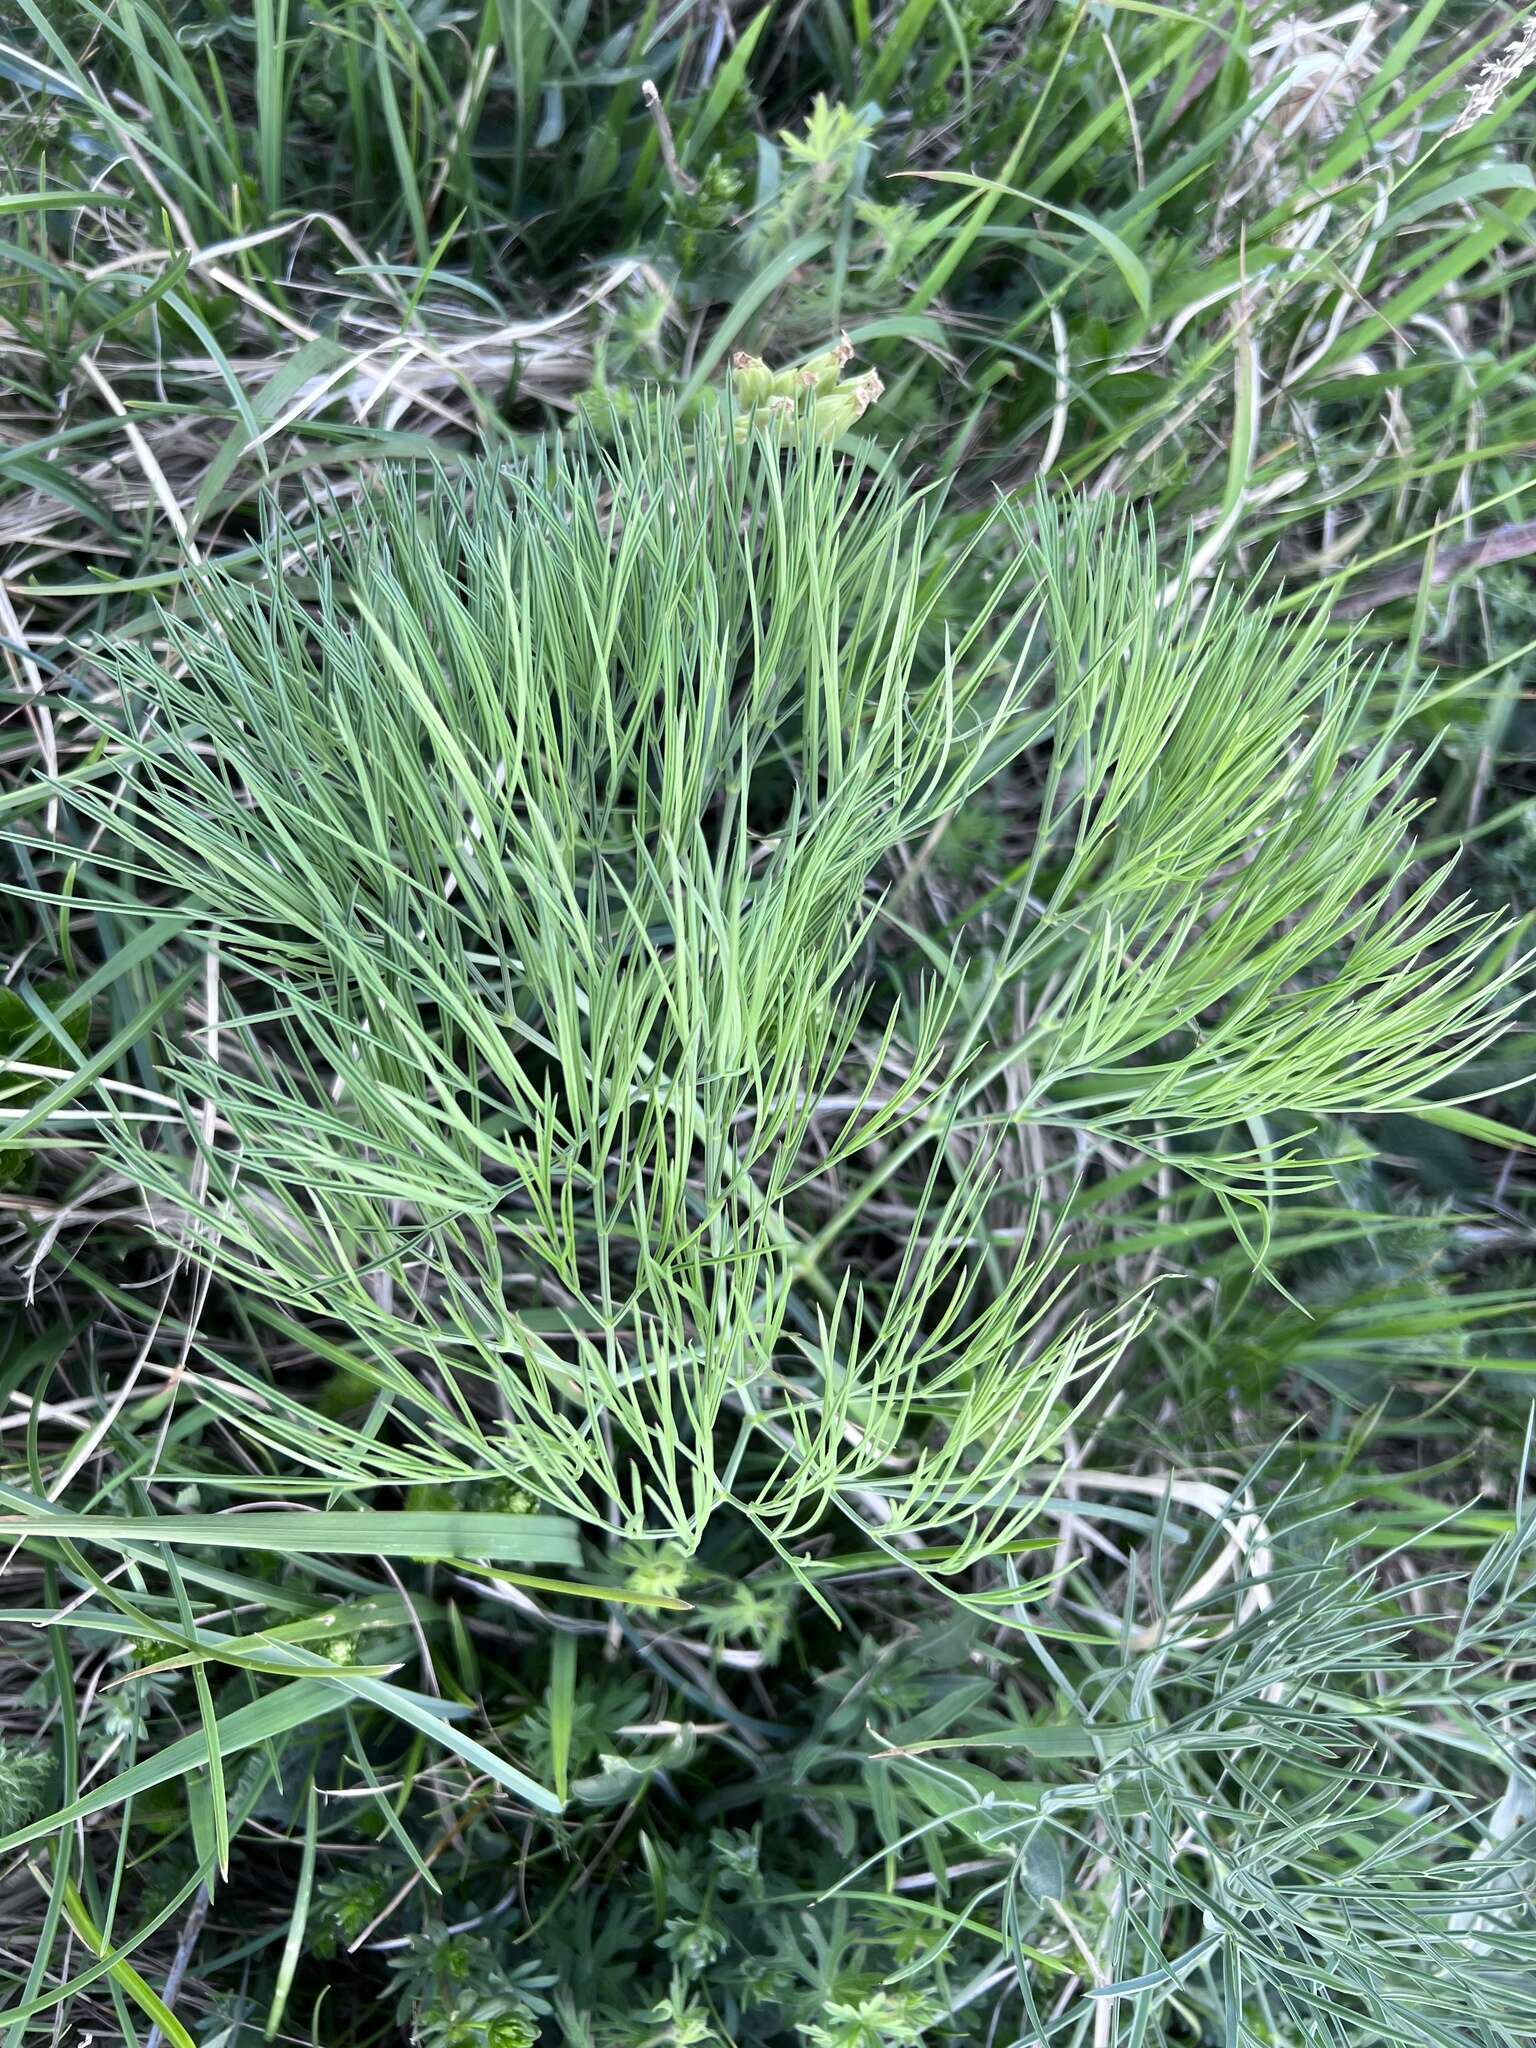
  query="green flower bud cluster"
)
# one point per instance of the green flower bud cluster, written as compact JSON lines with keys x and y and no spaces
{"x":776,"y":402}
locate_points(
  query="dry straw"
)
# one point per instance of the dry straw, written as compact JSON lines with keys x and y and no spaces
{"x":1497,"y":76}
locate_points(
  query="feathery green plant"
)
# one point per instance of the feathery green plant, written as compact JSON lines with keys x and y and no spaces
{"x":543,"y":831}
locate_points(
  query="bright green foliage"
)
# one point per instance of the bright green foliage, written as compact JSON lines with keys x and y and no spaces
{"x":546,"y":851}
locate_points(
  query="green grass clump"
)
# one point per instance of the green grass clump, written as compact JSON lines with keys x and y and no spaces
{"x":546,"y":833}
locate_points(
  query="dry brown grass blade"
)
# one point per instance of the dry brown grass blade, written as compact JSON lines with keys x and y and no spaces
{"x":1512,"y":542}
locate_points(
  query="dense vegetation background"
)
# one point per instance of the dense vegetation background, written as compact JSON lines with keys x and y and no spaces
{"x":1103,"y":1614}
